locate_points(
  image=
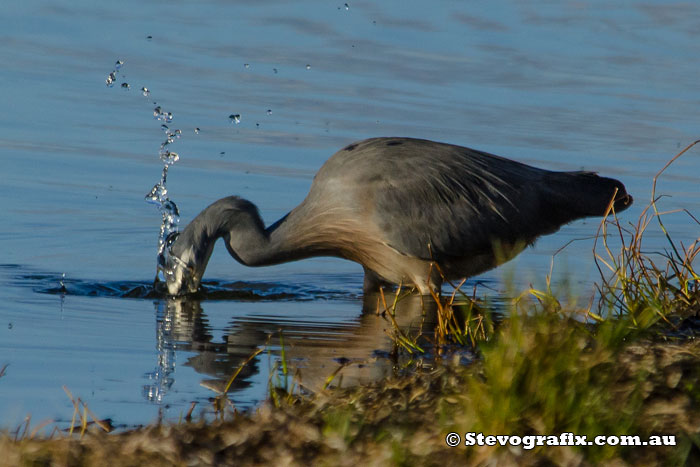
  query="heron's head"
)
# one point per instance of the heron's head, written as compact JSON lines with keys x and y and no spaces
{"x":186,"y":255}
{"x":184,"y":260}
{"x":179,"y":273}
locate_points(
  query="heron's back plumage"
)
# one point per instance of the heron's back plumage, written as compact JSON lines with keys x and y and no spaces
{"x":445,"y":202}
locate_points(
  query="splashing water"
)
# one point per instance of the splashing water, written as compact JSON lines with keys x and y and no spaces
{"x":169,"y":268}
{"x":159,"y":193}
{"x":159,"y":196}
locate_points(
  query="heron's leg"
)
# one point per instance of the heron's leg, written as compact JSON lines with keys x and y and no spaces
{"x":373,"y":282}
{"x":428,"y":278}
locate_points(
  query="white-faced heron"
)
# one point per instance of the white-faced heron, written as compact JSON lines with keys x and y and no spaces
{"x":396,"y":205}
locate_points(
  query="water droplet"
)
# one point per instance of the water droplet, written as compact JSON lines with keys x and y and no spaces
{"x":308,"y":67}
{"x":118,"y":64}
{"x":257,"y":125}
{"x":197,"y":130}
{"x":148,"y":38}
{"x":145,"y":91}
{"x":126,"y":86}
{"x":163,"y":127}
{"x":111,"y":78}
{"x":62,"y":282}
{"x":160,"y":114}
{"x":347,"y":7}
{"x":269,"y":111}
{"x":171,"y":208}
{"x":235,"y":118}
{"x":169,"y":158}
{"x":247,"y":65}
{"x":275,"y":70}
{"x":153,"y":195}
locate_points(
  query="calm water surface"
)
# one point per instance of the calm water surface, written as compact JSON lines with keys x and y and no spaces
{"x":563,"y":85}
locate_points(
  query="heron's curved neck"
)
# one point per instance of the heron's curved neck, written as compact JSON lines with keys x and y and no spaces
{"x":246,"y":238}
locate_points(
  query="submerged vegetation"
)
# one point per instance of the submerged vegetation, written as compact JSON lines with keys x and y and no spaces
{"x":626,"y":364}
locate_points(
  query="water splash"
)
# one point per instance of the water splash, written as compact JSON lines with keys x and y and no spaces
{"x":170,"y":216}
{"x":166,"y":264}
{"x":159,"y":193}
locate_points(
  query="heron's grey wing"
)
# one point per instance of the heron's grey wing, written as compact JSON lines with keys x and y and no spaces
{"x":440,"y":201}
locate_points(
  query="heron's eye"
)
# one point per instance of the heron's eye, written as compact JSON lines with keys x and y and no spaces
{"x":170,"y":239}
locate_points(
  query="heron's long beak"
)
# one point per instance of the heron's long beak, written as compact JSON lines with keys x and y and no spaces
{"x":180,"y":278}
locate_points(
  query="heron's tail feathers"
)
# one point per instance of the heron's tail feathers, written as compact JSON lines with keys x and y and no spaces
{"x":573,"y":195}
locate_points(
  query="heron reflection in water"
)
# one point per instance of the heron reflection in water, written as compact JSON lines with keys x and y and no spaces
{"x":399,"y":206}
{"x":360,"y":345}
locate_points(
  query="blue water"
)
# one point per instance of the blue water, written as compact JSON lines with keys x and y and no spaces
{"x":562,"y":85}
